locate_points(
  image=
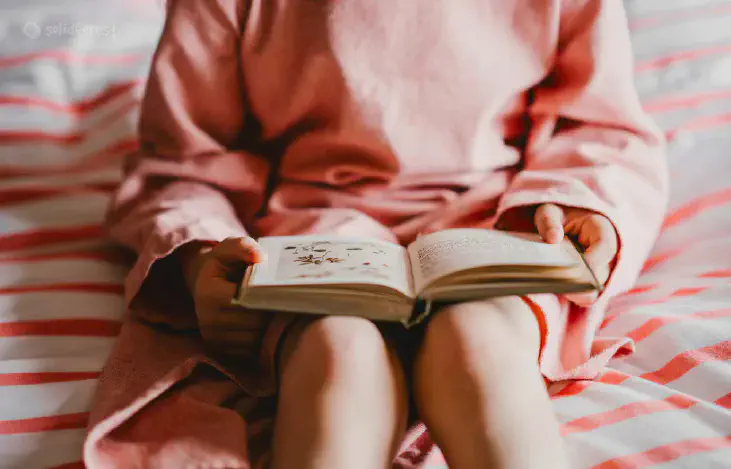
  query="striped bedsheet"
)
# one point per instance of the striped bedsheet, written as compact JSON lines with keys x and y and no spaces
{"x":70,"y":81}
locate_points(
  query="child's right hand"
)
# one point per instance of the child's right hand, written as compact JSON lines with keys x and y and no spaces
{"x":212,"y":273}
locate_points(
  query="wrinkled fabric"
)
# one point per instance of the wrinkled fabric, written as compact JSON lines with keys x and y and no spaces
{"x":366,"y":118}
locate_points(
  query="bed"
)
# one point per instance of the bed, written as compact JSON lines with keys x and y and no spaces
{"x":71,"y":77}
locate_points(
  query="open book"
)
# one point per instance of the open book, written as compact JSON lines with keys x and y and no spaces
{"x":387,"y":282}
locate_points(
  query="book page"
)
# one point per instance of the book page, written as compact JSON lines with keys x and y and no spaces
{"x":445,"y":252}
{"x":323,"y":260}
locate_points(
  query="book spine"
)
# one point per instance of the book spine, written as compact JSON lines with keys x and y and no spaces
{"x":422,"y":310}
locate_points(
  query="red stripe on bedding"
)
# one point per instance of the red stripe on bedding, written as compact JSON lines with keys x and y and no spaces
{"x":697,"y":206}
{"x":103,"y":158}
{"x":703,"y":123}
{"x":657,"y":322}
{"x":686,"y":361}
{"x":688,"y":14}
{"x":725,"y":401}
{"x":27,"y":379}
{"x":684,"y":102}
{"x":113,"y":257}
{"x":639,"y":290}
{"x":724,"y":273}
{"x":666,"y":453}
{"x":658,"y":259}
{"x":106,"y":156}
{"x":68,"y":56}
{"x":112,"y":288}
{"x":661,"y":62}
{"x":572,"y":389}
{"x":74,"y":108}
{"x":34,"y":239}
{"x":674,"y":369}
{"x":687,"y":292}
{"x":29,"y":194}
{"x":44,"y":424}
{"x":70,"y":138}
{"x":682,"y":292}
{"x":612,"y":377}
{"x":627,"y":412}
{"x":61,"y":328}
{"x":17,"y":136}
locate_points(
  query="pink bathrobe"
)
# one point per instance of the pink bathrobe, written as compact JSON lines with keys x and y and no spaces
{"x":384,"y":118}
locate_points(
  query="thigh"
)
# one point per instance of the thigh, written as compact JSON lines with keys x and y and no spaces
{"x":502,"y":322}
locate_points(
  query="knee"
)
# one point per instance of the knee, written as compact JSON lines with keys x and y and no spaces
{"x":474,"y":335}
{"x":339,"y":349}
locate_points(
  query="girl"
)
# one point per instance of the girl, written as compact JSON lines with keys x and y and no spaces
{"x":370,"y":118}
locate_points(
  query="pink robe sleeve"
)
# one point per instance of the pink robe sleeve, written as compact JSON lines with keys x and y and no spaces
{"x":192,"y":161}
{"x":591,"y":145}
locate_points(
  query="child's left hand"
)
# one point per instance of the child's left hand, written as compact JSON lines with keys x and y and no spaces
{"x":593,"y":231}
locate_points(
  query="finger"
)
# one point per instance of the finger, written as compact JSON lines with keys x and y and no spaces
{"x":549,"y":220}
{"x":583,"y":299}
{"x":599,"y":255}
{"x":590,"y":228}
{"x":245,"y":250}
{"x":573,"y":224}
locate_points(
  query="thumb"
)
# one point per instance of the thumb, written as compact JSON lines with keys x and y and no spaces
{"x":549,"y":220}
{"x":599,"y":256}
{"x":234,"y":250}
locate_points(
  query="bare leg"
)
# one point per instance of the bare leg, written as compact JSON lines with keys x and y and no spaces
{"x":342,"y":398}
{"x":479,"y":390}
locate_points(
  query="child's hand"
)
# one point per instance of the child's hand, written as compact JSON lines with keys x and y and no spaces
{"x":211,"y":273}
{"x":593,"y":231}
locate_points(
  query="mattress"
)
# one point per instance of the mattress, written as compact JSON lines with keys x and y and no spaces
{"x":71,"y":77}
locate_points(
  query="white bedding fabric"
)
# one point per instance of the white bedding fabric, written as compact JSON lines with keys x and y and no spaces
{"x":70,"y":78}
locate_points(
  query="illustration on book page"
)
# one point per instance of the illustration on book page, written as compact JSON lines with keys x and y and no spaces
{"x":342,"y":260}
